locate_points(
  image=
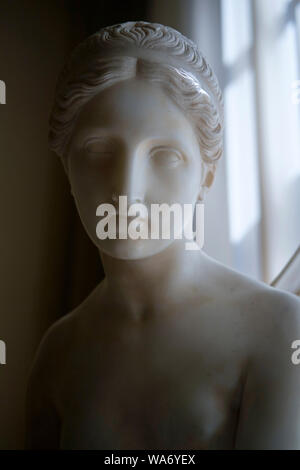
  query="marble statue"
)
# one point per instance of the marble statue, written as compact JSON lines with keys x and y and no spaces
{"x":172,"y":350}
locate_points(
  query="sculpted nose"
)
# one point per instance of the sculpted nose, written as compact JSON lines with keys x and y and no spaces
{"x":128,"y":180}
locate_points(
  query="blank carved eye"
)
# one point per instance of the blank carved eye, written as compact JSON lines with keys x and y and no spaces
{"x":165,"y":157}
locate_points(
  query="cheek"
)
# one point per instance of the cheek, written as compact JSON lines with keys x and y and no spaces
{"x":89,"y":188}
{"x":88,"y":181}
{"x":181,"y":184}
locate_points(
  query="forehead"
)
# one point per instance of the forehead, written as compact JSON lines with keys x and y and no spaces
{"x":138,"y":109}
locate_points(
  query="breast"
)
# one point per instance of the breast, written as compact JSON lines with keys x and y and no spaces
{"x":185,"y":414}
{"x":158,"y":394}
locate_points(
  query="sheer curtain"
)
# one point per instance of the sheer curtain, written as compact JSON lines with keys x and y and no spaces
{"x":261,"y":57}
{"x":252,"y":217}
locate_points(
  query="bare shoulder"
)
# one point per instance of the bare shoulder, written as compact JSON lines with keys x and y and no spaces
{"x":47,"y":388}
{"x":42,"y":407}
{"x":270,"y":406}
{"x":50,"y":357}
{"x":59,"y":341}
{"x":274,"y":319}
{"x":268,"y":314}
{"x":271,"y":314}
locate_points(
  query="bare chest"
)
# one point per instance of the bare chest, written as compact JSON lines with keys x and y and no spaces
{"x":152,"y":398}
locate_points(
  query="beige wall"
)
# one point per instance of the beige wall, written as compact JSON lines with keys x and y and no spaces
{"x":35,"y":204}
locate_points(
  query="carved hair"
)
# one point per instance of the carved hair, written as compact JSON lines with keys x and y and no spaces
{"x":153,"y":52}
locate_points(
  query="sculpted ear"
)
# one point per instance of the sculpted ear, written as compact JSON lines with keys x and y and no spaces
{"x":209,"y":179}
{"x":208,"y":175}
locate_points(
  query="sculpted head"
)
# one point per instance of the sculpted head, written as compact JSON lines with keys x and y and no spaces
{"x":137,"y":112}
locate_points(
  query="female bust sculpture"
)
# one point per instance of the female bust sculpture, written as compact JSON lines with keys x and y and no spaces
{"x":172,"y":350}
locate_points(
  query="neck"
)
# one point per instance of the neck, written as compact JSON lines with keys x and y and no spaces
{"x":141,"y":285}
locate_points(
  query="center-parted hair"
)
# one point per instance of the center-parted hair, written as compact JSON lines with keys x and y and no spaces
{"x":156,"y":53}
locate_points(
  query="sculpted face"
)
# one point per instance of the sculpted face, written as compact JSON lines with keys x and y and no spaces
{"x":132,"y":140}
